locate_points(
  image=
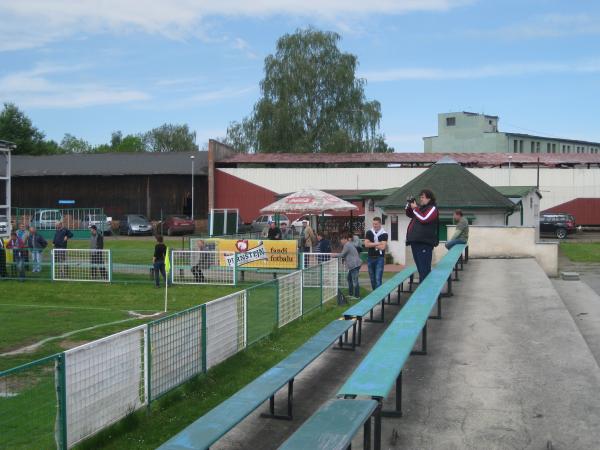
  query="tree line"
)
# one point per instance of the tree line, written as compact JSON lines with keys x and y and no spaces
{"x":16,"y":127}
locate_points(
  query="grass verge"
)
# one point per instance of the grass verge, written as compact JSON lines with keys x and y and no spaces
{"x":581,"y":251}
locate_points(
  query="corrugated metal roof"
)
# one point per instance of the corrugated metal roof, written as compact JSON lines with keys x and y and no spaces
{"x":467,"y":159}
{"x":106,"y":164}
{"x":454,"y":187}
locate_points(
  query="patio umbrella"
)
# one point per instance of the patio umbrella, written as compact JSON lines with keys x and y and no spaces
{"x":309,"y":201}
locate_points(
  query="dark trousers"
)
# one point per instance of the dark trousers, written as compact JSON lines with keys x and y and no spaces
{"x":353,"y":287}
{"x":159,"y":268}
{"x":422,"y":254}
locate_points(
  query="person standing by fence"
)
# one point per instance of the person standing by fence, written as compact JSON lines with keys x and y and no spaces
{"x":202,"y":263}
{"x":36,"y":243}
{"x":422,"y":232}
{"x":376,"y":241}
{"x":17,"y":246}
{"x":24,"y":236}
{"x":352,"y":262}
{"x":97,"y":257}
{"x":310,"y":239}
{"x":286,"y":233}
{"x":158,"y":261}
{"x":60,"y":242}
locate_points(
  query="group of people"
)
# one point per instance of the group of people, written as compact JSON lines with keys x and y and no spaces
{"x":422,"y":236}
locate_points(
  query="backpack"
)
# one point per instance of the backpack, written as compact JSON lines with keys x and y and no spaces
{"x":341,"y":298}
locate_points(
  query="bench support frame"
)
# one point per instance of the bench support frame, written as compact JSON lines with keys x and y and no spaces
{"x":423,"y":350}
{"x":382,"y":318}
{"x":344,"y":344}
{"x":271,"y":414}
{"x":439,"y":309}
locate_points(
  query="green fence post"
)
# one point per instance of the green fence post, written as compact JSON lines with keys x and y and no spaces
{"x":321,"y":282}
{"x":203,"y":333}
{"x":62,"y":401}
{"x":149,"y":362}
{"x":277,"y":302}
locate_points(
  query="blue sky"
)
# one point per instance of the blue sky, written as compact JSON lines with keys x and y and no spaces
{"x":91,"y":67}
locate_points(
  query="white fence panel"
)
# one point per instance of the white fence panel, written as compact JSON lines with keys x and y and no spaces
{"x":80,"y":264}
{"x":201,"y":267}
{"x":330,"y":279}
{"x":225,"y":327}
{"x":175,"y":350}
{"x":290,"y":297}
{"x":104,"y":382}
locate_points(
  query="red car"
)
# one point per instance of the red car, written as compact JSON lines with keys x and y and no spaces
{"x":176,"y":224}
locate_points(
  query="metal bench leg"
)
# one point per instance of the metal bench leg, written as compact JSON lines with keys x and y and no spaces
{"x":382,"y":314}
{"x":448,"y":292}
{"x":462,"y":262}
{"x":377,"y":434}
{"x":456,"y":272}
{"x":397,"y":412}
{"x":367,"y":434}
{"x":345,"y":345}
{"x":411,"y":282}
{"x":466,"y":254}
{"x":423,"y":350}
{"x":389,"y":298}
{"x":359,"y":331}
{"x":399,"y":294}
{"x":439,"y":309}
{"x":289,"y":415}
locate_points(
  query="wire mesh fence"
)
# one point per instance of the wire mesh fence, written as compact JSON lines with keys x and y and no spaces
{"x":63,"y":399}
{"x":29,"y":406}
{"x":105,"y":381}
{"x":176,"y":350}
{"x":203,"y":267}
{"x":80,"y":264}
{"x":314,"y":259}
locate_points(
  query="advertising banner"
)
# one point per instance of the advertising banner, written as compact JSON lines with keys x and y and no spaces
{"x":259,"y":254}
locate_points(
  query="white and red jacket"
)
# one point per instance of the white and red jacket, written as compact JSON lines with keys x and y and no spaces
{"x":423,"y":226}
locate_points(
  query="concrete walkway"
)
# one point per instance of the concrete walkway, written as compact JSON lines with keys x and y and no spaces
{"x":507,"y":369}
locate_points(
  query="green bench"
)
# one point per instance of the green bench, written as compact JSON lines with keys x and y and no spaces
{"x":381,"y":369}
{"x":334,"y":425}
{"x":378,"y":296}
{"x":213,"y":425}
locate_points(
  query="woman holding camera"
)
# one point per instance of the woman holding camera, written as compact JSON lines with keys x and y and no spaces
{"x":422,"y":233}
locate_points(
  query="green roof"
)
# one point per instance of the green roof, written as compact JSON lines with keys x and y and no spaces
{"x":453,"y":186}
{"x":515,"y":191}
{"x":381,"y":193}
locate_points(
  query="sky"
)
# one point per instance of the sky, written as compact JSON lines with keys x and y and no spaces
{"x":90,"y":67}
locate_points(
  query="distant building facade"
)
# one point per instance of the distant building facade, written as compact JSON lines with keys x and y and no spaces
{"x":466,"y":132}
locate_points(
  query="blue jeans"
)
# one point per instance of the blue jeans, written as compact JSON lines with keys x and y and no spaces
{"x":422,"y":254}
{"x":375,"y":266}
{"x":159,"y":268}
{"x":451,"y":243}
{"x":353,"y":287}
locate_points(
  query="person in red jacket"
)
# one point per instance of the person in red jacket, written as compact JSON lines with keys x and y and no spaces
{"x":422,"y":232}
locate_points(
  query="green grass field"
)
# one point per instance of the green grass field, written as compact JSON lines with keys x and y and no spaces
{"x":581,"y":251}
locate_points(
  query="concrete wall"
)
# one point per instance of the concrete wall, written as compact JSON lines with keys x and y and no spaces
{"x":459,"y":143}
{"x":509,"y":242}
{"x":556,"y":185}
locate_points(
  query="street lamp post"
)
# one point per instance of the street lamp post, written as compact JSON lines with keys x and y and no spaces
{"x":192,"y":158}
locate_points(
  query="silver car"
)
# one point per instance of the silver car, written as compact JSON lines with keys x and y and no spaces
{"x":3,"y":225}
{"x":103,"y":223}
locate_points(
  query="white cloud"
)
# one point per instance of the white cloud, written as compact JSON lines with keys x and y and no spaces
{"x":31,"y":23}
{"x":486,"y":71}
{"x":36,"y":88}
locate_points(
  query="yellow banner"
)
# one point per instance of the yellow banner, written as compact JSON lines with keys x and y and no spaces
{"x":257,"y":254}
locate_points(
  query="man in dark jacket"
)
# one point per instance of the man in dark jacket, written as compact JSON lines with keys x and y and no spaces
{"x":97,"y":259}
{"x":36,"y":243}
{"x":422,"y":233}
{"x":61,"y":238}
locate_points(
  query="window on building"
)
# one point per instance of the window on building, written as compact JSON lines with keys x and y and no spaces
{"x":515,"y":146}
{"x":568,"y":149}
{"x":563,"y":148}
{"x":532,"y":149}
{"x":553,"y":148}
{"x":537,"y":147}
{"x":521,"y":146}
{"x":394,"y":228}
{"x":548,"y":147}
{"x":450,"y":121}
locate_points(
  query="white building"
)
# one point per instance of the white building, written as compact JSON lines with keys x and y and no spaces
{"x":466,"y":132}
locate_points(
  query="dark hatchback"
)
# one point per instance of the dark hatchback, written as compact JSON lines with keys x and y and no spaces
{"x":558,"y":224}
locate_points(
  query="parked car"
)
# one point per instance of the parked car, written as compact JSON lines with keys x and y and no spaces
{"x":297,"y":224}
{"x":133,"y":224}
{"x":261,"y":222}
{"x":560,"y":225}
{"x":3,"y":225}
{"x":46,"y":219}
{"x":102,"y":222}
{"x":176,"y":224}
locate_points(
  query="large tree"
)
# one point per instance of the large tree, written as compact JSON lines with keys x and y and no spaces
{"x":311,"y":101}
{"x":170,"y":138}
{"x":16,"y":127}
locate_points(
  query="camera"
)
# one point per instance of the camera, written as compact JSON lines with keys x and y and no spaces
{"x":410,"y":199}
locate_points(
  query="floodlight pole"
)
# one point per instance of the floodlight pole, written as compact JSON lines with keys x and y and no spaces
{"x":192,"y":158}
